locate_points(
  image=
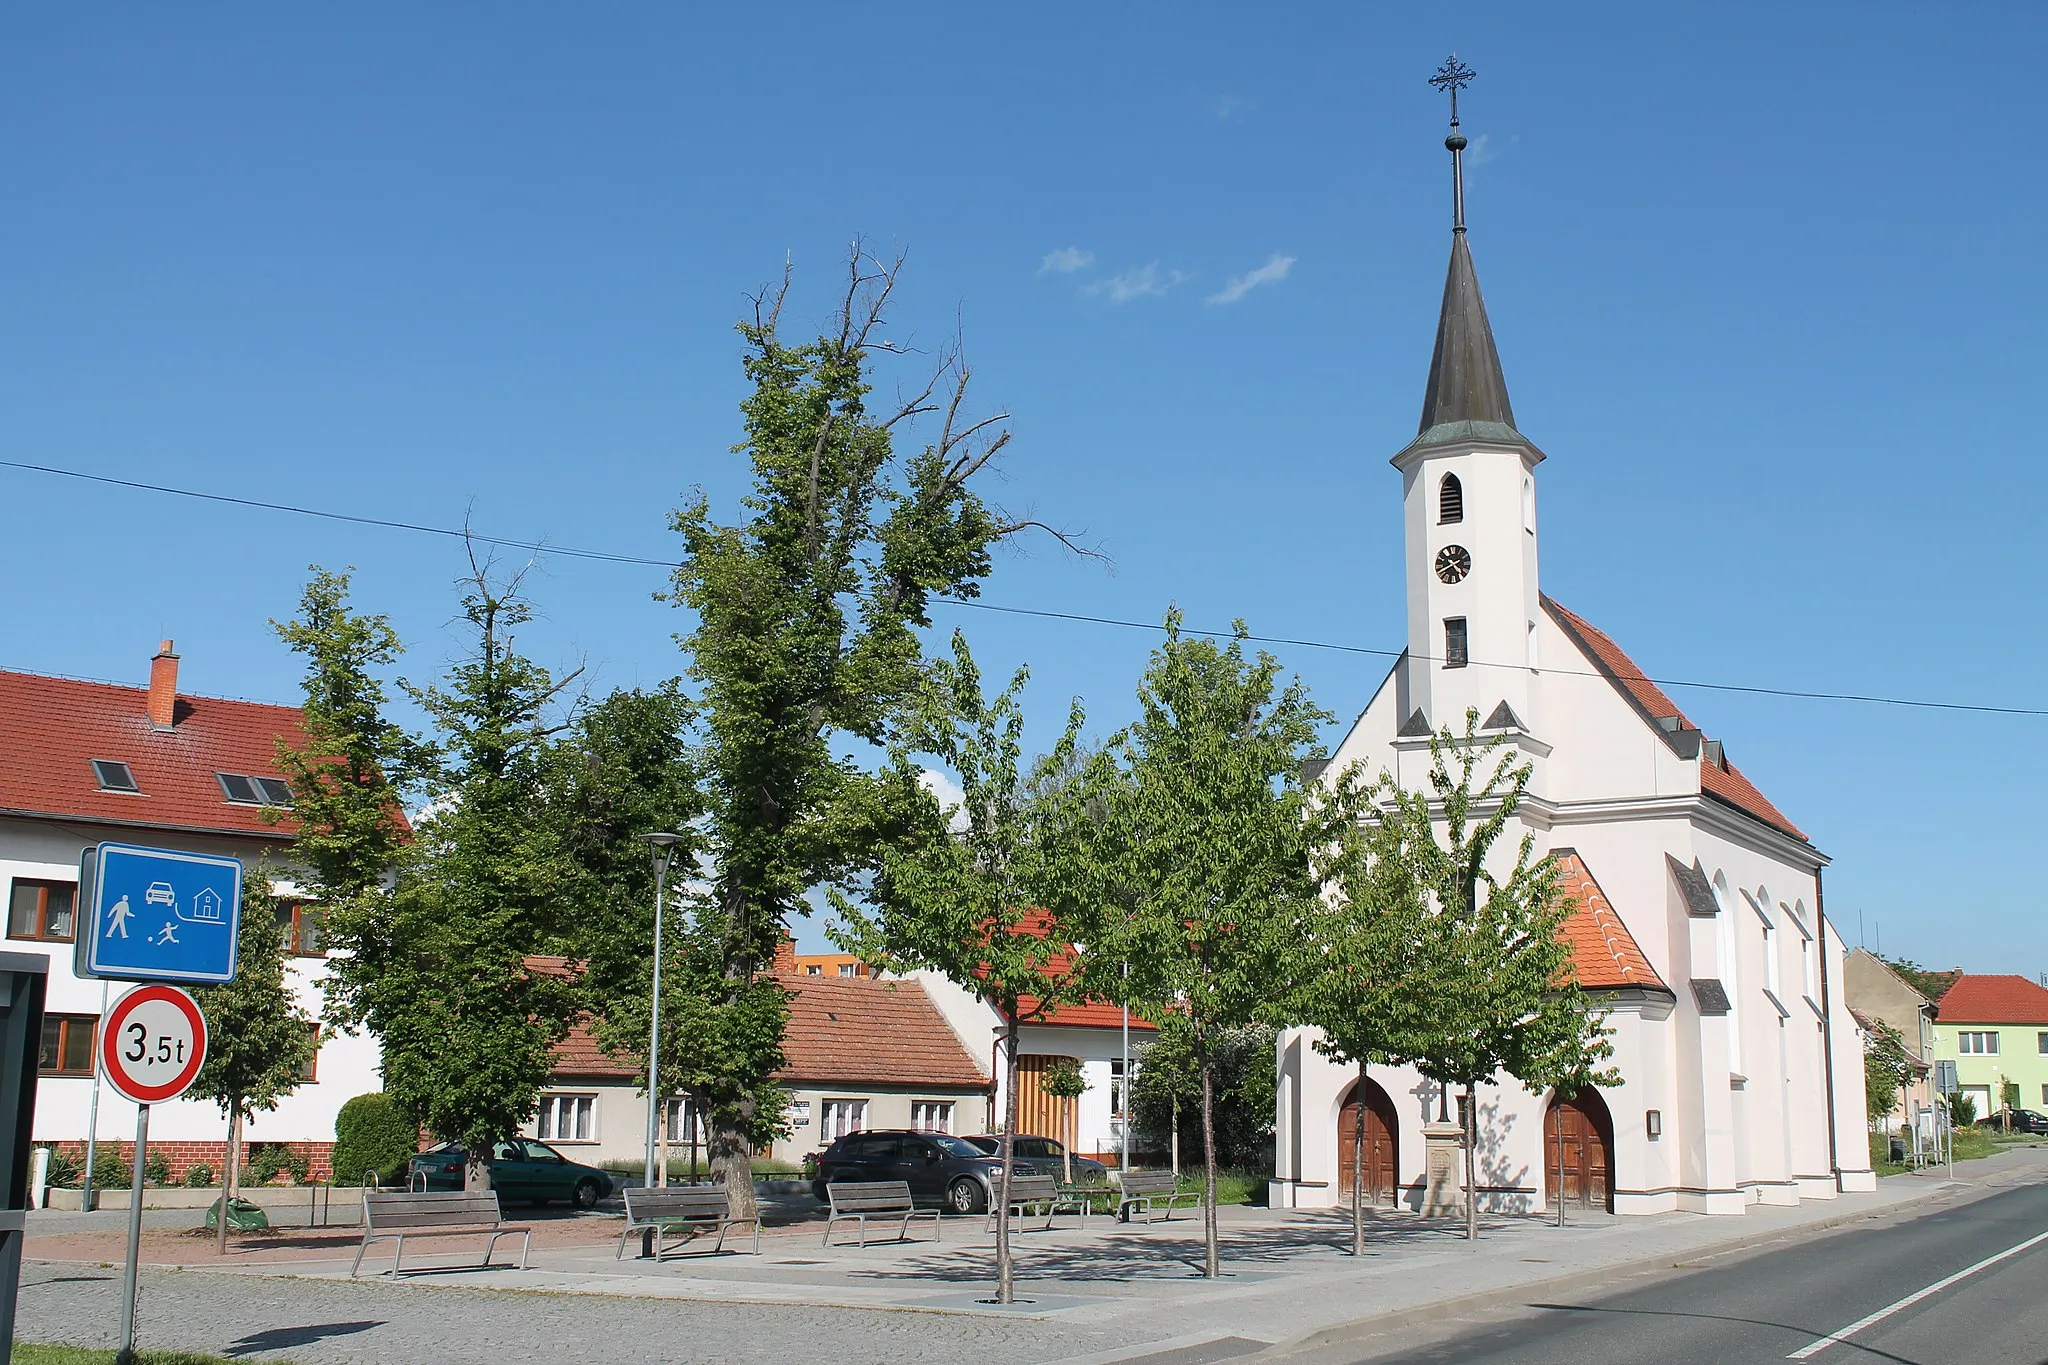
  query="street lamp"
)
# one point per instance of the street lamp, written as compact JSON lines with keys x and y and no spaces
{"x":662,"y":845}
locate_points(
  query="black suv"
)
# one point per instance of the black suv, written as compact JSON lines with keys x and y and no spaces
{"x":1045,"y":1156}
{"x":2019,"y":1121}
{"x":939,"y":1168}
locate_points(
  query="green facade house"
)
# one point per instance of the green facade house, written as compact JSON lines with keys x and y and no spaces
{"x":1995,"y":1029}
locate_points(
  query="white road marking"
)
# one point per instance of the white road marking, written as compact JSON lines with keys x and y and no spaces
{"x":1816,"y":1347}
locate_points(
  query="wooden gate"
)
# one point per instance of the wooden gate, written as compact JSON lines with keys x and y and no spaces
{"x":1382,"y":1165}
{"x":1578,"y":1145}
{"x":1040,"y":1114}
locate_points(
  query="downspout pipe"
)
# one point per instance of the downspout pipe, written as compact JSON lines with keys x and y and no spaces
{"x":1827,"y":1017}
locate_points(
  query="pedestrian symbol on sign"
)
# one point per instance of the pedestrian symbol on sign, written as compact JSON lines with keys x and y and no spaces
{"x":118,"y":917}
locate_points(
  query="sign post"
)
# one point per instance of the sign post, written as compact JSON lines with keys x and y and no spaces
{"x":151,"y":1048}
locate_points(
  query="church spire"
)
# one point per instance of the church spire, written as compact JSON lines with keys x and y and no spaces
{"x":1467,"y":397}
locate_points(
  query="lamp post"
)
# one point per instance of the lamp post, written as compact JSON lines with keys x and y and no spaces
{"x":662,"y":845}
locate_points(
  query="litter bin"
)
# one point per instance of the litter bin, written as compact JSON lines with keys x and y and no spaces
{"x":1899,"y":1150}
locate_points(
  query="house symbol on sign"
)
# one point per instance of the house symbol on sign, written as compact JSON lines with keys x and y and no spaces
{"x":206,"y":905}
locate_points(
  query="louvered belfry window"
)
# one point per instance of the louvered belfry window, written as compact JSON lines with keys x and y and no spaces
{"x":1450,"y":501}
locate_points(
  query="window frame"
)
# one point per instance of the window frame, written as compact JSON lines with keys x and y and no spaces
{"x":309,"y":1071}
{"x":841,"y":1106}
{"x":295,"y":929}
{"x":1446,"y":487}
{"x":41,"y":933}
{"x":99,"y":777}
{"x":1985,"y":1042}
{"x":1457,"y":641}
{"x":64,"y":1023}
{"x":579,"y":1105}
{"x":943,"y":1109}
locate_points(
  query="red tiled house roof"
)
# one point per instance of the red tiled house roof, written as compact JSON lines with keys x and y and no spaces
{"x":856,"y":1030}
{"x":1722,"y":781}
{"x":1975,"y":999}
{"x":51,"y":729}
{"x":1087,"y":1014}
{"x":1605,"y":955}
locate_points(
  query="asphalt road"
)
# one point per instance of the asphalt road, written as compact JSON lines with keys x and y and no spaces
{"x":1920,"y":1278}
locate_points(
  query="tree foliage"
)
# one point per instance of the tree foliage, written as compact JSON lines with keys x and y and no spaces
{"x":1166,"y":1093}
{"x":1887,"y":1067}
{"x":371,"y":1137}
{"x":991,"y":895}
{"x":1207,"y":841}
{"x":806,"y":611}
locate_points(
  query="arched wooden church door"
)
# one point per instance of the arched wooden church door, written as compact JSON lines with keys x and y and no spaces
{"x":1382,"y":1166}
{"x":1578,"y":1147}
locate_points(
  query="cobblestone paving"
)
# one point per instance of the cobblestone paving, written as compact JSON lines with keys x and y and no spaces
{"x":316,"y":1321}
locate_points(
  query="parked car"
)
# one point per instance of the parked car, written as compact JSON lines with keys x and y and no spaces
{"x":2021,"y":1121}
{"x":1045,"y":1156}
{"x":520,"y":1169}
{"x":939,"y":1168}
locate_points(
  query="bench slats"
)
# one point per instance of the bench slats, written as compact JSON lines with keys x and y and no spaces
{"x":401,"y":1213}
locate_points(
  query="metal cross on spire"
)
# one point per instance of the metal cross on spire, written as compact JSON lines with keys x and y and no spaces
{"x":1454,"y":76}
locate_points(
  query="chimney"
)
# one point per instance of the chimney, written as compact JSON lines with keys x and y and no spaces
{"x":785,"y":957}
{"x":163,"y":688}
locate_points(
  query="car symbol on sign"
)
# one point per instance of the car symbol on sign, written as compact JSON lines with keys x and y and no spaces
{"x":159,"y":893}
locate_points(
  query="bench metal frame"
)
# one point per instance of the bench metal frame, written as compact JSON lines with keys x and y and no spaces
{"x":865,"y":1199}
{"x":1035,"y":1192}
{"x":692,"y":1211}
{"x":449,"y":1213}
{"x":1154,"y":1198}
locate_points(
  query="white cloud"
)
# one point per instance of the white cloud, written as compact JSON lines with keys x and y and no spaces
{"x":1066,"y":261}
{"x":949,"y":794}
{"x":1272,"y":272}
{"x":1136,"y":284}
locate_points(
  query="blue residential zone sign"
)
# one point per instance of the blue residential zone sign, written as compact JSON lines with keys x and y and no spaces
{"x":158,"y":914}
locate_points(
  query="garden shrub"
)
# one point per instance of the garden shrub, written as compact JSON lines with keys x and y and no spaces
{"x":156,"y":1169}
{"x":198,"y":1175}
{"x":109,"y":1171}
{"x":370,"y":1135}
{"x":64,"y":1167}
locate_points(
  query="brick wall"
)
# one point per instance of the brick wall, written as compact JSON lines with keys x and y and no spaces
{"x":319,"y":1155}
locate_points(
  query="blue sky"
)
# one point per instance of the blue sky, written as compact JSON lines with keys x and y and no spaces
{"x":1767,"y":284}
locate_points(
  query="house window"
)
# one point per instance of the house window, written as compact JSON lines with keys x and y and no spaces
{"x":41,"y":910}
{"x":680,"y":1118}
{"x":846,"y":969}
{"x":932,"y":1116}
{"x":1454,"y":642}
{"x":309,"y":1069}
{"x":2044,"y":1044}
{"x":814,"y":970}
{"x":1450,"y":501}
{"x":1977,"y":1044}
{"x":840,"y":1117}
{"x":1116,"y":1087}
{"x":242,"y":790}
{"x":305,"y":929}
{"x":566,"y":1118}
{"x":114,"y":777}
{"x":67,"y":1045}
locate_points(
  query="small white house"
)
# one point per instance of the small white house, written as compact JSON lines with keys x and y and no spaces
{"x":88,"y":762}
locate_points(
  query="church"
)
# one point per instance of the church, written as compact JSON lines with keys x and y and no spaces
{"x":1697,"y":924}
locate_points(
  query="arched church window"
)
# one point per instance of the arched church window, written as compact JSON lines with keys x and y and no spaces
{"x":1450,"y":500}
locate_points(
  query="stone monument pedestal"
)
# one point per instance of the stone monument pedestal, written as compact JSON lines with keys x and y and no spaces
{"x":1443,"y":1193}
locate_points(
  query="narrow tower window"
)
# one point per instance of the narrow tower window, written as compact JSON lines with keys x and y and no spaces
{"x":1454,"y":642}
{"x":1450,"y":501}
{"x":1529,"y":504}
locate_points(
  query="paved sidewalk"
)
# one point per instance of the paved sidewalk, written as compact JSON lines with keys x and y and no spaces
{"x":1097,"y":1293}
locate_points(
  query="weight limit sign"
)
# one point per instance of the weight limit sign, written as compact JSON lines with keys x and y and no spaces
{"x":153,"y":1044}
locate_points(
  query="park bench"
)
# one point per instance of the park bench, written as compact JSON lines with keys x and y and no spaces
{"x":1032,"y":1193}
{"x":398,"y":1214}
{"x":687,"y":1211}
{"x":861,"y":1200}
{"x":1151,"y":1193}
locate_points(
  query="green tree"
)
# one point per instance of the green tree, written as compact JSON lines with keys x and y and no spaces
{"x":440,"y":973}
{"x":1926,"y":980}
{"x":806,"y":610}
{"x":1493,"y":939}
{"x":993,"y":896}
{"x":371,"y":1137}
{"x":1368,"y":988}
{"x":1887,"y":1066}
{"x":259,"y":1039}
{"x":1166,"y":1093}
{"x":1208,"y":842}
{"x":1063,"y":1079}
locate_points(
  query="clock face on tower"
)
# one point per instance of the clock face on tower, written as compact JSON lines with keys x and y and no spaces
{"x":1453,"y":562}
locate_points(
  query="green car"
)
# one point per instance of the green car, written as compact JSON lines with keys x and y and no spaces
{"x":520,"y":1169}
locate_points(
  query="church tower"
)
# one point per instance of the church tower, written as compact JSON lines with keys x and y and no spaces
{"x":1469,"y":508}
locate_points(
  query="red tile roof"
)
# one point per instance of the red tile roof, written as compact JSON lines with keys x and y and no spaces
{"x":843,"y":1031}
{"x":1977,"y":999}
{"x":1724,"y":782}
{"x":1605,"y":955}
{"x":51,"y":729}
{"x":1087,"y":1014}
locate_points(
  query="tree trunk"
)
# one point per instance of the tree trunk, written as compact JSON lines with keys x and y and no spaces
{"x":1559,"y":1125}
{"x":1006,"y":1269}
{"x":1173,"y":1138}
{"x":732,"y":1161}
{"x":476,"y":1167}
{"x":227,"y":1176}
{"x":1212,"y":1256}
{"x":1358,"y":1171}
{"x":1471,"y":1165}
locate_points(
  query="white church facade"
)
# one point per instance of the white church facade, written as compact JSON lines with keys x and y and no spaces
{"x":1698,"y":924}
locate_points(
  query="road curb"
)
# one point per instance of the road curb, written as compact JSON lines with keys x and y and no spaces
{"x":1357,"y":1329}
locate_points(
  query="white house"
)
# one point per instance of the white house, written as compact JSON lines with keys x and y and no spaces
{"x":1699,"y":924}
{"x":87,"y":762}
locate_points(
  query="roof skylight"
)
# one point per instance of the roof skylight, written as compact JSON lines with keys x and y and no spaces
{"x":114,"y":777}
{"x":243,"y":790}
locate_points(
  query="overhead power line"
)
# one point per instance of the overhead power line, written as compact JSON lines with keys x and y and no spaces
{"x":609,"y":557}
